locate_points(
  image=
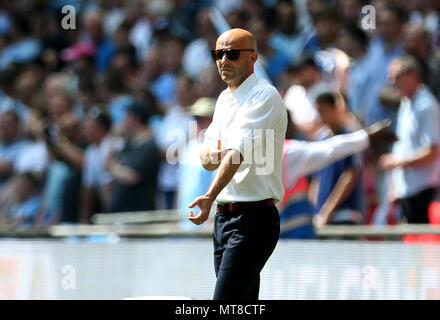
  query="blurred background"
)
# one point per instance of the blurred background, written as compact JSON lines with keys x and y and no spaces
{"x":103,"y":106}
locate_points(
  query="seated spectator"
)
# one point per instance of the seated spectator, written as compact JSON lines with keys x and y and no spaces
{"x":339,"y":185}
{"x":11,"y":144}
{"x":20,"y":201}
{"x":135,"y":167}
{"x":95,"y":178}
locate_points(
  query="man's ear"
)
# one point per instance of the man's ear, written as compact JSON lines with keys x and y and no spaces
{"x":254,"y":57}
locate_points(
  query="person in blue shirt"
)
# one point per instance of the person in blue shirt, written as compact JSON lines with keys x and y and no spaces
{"x":105,"y":47}
{"x":23,"y":47}
{"x":339,"y":192}
{"x":382,"y":50}
{"x":414,"y":160}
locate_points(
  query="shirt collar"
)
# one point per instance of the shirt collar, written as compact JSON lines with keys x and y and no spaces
{"x":245,"y":86}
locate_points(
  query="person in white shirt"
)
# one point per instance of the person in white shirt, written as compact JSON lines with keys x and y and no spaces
{"x":95,"y":178}
{"x":244,"y":142}
{"x":300,"y":97}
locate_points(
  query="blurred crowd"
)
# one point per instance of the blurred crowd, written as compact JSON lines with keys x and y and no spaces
{"x":108,"y":116}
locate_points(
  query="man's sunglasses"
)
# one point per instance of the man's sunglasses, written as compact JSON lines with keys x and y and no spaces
{"x":232,"y":54}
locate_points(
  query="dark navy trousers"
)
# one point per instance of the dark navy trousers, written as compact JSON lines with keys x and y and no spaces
{"x":243,"y":242}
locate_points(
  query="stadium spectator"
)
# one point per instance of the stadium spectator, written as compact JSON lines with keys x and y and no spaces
{"x":20,"y":202}
{"x":197,"y":56}
{"x":384,"y":47}
{"x":34,"y":156}
{"x":301,"y":96}
{"x":22,"y":47}
{"x":326,"y":26}
{"x":273,"y":61}
{"x":354,"y":41}
{"x":160,"y":83}
{"x":339,"y":185}
{"x":94,"y":33}
{"x":116,"y":94}
{"x":414,"y":160}
{"x":288,"y":37}
{"x":95,"y":193}
{"x":173,"y":134}
{"x":135,"y":167}
{"x":416,"y":42}
{"x":11,"y":144}
{"x":193,"y":179}
{"x":65,"y":146}
{"x":8,"y":97}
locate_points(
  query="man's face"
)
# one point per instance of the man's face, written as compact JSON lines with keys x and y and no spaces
{"x":400,"y":79}
{"x":389,"y":26}
{"x":414,"y":39}
{"x":327,"y":112}
{"x":307,"y":76}
{"x":90,"y":130}
{"x":234,"y":71}
{"x":8,"y":127}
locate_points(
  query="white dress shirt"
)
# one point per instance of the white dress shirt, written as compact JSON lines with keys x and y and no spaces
{"x":253,"y":121}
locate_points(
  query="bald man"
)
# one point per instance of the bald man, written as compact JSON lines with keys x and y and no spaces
{"x":244,"y":143}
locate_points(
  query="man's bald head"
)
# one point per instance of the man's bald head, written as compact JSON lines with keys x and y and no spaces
{"x":238,"y":39}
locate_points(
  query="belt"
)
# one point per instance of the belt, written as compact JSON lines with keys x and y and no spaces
{"x":236,"y":206}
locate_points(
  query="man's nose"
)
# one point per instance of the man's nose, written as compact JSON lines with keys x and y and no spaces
{"x":224,"y":58}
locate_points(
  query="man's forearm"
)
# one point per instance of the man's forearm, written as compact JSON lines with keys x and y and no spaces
{"x":342,"y":190}
{"x":423,"y":157}
{"x":226,"y":171}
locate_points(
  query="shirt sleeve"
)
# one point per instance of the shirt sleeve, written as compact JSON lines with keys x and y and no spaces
{"x":307,"y":157}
